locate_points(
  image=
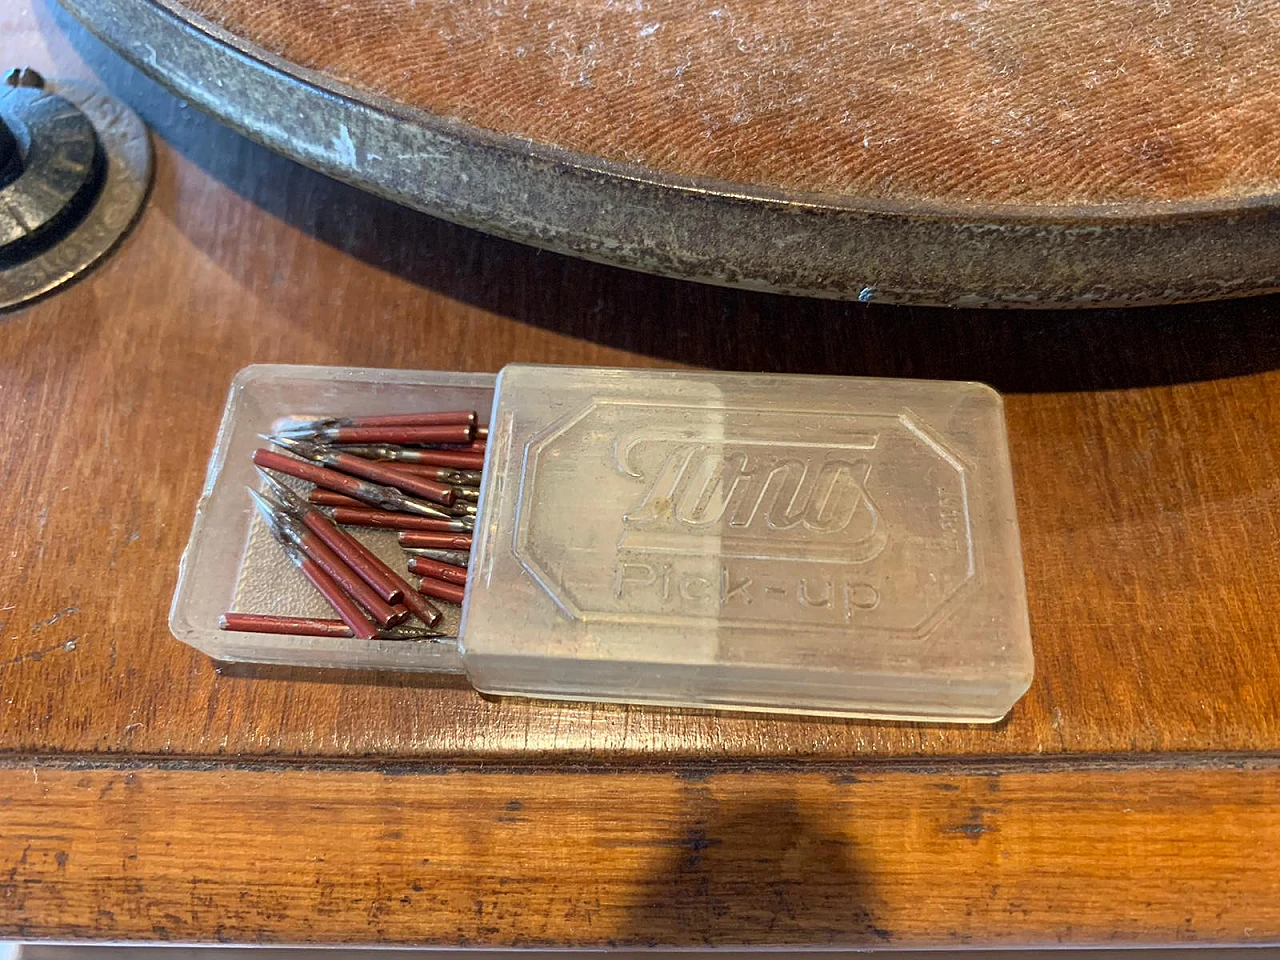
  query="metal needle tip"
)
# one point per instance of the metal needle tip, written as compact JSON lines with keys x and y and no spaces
{"x":268,"y":511}
{"x":286,"y":498}
{"x":308,"y":427}
{"x":292,"y":444}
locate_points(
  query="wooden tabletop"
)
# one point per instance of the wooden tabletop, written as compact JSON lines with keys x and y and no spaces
{"x":148,"y":792}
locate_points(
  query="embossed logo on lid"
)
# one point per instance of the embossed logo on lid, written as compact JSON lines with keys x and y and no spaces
{"x":746,"y":516}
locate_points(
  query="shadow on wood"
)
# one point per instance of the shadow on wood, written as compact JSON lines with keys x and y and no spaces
{"x":736,"y":869}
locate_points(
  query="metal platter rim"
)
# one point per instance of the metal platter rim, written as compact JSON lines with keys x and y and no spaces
{"x":1110,"y":250}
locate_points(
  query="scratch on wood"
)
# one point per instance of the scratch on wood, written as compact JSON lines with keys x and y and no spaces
{"x":67,"y":645}
{"x":50,"y":621}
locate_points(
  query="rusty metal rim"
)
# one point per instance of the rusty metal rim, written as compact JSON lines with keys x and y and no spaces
{"x":835,"y":247}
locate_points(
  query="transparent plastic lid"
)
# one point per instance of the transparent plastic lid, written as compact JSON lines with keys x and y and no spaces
{"x":781,"y":543}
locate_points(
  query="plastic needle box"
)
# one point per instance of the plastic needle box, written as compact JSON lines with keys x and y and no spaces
{"x":814,"y":545}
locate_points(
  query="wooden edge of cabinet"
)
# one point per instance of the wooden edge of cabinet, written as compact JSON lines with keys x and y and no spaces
{"x":641,"y":858}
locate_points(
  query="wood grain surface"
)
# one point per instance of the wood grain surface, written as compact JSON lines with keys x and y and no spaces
{"x":956,"y":103}
{"x":1145,"y":444}
{"x":642,"y":859}
{"x":146,"y":793}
